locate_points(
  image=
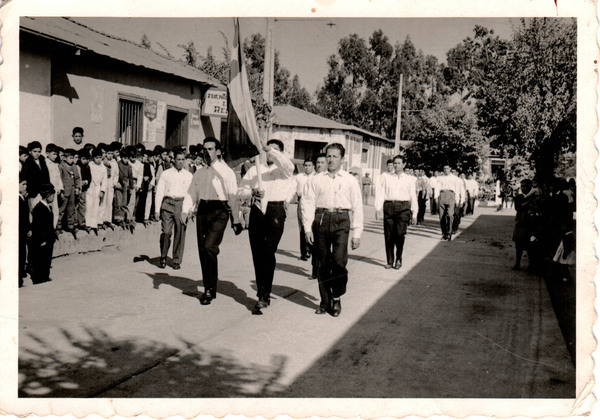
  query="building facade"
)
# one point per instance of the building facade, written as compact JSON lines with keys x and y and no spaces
{"x":72,"y":75}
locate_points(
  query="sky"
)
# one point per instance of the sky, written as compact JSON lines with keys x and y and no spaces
{"x":303,"y":43}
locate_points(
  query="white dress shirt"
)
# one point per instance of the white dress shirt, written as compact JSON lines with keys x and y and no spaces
{"x":276,"y":180}
{"x":472,"y":187}
{"x":333,"y":191}
{"x":137,"y":171}
{"x":301,"y":180}
{"x":172,"y":183}
{"x":214,"y":182}
{"x":99,"y":178}
{"x":397,"y":187}
{"x":55,"y":177}
{"x":450,"y":182}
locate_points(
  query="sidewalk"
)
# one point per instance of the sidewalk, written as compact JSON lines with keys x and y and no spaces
{"x":455,"y":321}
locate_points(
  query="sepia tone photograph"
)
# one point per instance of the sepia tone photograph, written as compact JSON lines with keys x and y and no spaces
{"x":300,"y":207}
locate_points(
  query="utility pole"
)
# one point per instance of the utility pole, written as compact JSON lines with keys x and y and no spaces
{"x":399,"y":119}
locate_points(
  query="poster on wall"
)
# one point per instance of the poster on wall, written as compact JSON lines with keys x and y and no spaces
{"x":194,"y":117}
{"x":154,"y":121}
{"x":215,"y":103}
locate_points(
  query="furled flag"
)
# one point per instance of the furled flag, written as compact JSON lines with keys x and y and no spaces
{"x":242,"y":141}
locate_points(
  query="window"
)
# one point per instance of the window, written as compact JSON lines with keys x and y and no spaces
{"x":129,"y":130}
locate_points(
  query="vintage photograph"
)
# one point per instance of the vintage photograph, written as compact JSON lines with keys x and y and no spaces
{"x":298,"y":207}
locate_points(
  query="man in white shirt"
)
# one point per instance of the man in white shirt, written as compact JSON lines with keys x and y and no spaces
{"x":329,"y":200}
{"x":423,"y":192}
{"x":267,"y":214}
{"x":301,"y":179}
{"x":448,"y":196}
{"x":170,"y":192}
{"x":397,"y":196}
{"x":214,"y":191}
{"x":472,"y":192}
{"x":321,"y":164}
{"x":460,"y":207}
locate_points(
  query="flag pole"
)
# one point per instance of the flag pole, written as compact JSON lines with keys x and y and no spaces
{"x":399,"y":118}
{"x":269,"y":64}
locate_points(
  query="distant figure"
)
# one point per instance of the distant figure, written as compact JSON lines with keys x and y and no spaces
{"x":525,"y":205}
{"x":366,"y":188}
{"x":42,"y":236}
{"x":77,"y":135}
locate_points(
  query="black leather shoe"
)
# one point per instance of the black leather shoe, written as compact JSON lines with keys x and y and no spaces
{"x":336,"y":308}
{"x":162,"y":263}
{"x":388,"y":266}
{"x":262,"y":303}
{"x":322,"y":310}
{"x":176,"y":266}
{"x":207,"y":297}
{"x":398,"y":265}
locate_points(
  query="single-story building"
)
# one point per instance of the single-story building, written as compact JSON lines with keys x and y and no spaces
{"x":73,"y":75}
{"x":305,"y":134}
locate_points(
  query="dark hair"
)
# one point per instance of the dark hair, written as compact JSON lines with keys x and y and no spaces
{"x":23,"y":150}
{"x":51,"y":147}
{"x":218,"y":145}
{"x":323,"y":155}
{"x":337,"y":146}
{"x":34,"y":145}
{"x":309,"y":160}
{"x":77,"y":130}
{"x":115,"y":146}
{"x":84,"y":153}
{"x":277,"y":142}
{"x":178,"y":151}
{"x":398,"y":157}
{"x":22,"y":177}
{"x":70,"y":152}
{"x":389,"y":161}
{"x":97,"y":152}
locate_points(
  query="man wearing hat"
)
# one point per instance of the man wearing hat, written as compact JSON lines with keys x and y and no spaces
{"x":42,"y":236}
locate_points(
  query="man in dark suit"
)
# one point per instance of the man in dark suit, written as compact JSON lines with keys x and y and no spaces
{"x":42,"y":236}
{"x":24,"y":227}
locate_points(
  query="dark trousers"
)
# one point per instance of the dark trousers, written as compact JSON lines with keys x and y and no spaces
{"x":40,"y":259}
{"x":121,"y":210}
{"x":265,"y":232}
{"x":422,"y":201}
{"x":66,"y":213}
{"x":458,"y":210}
{"x":211,"y":222}
{"x":470,"y":204}
{"x":81,"y":200}
{"x":304,"y":247}
{"x":396,"y":216}
{"x":170,"y":216}
{"x":330,"y":232}
{"x":433,"y":204}
{"x":446,"y":209}
{"x":22,"y":257}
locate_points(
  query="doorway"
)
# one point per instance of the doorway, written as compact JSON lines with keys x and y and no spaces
{"x":176,"y":133}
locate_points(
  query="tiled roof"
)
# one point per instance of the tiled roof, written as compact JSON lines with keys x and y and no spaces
{"x":287,"y":115}
{"x":69,"y":31}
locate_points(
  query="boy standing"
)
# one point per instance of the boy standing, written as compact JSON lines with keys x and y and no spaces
{"x":71,"y":185}
{"x":55,"y":178}
{"x":123,"y":188}
{"x":42,"y":236}
{"x":35,"y":171}
{"x":24,"y":227}
{"x":96,"y":191}
{"x":86,"y":178}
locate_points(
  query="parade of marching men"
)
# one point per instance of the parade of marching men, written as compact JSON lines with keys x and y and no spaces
{"x":218,"y":214}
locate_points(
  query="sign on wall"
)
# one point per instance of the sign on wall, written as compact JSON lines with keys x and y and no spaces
{"x":194,"y":117}
{"x":215,"y":103}
{"x":154,"y":121}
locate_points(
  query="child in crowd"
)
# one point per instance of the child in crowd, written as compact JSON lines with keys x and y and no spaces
{"x":123,"y":188}
{"x":42,"y":236}
{"x":55,"y":178}
{"x":35,"y":171}
{"x":71,"y":186}
{"x":86,"y":177}
{"x":77,"y":135}
{"x":24,"y":227}
{"x":137,"y":171}
{"x":96,"y":192}
{"x":23,"y":155}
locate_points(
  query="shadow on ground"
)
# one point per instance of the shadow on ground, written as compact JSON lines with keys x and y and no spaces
{"x":460,"y":324}
{"x":101,"y":366}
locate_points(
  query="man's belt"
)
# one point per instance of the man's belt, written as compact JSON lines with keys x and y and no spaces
{"x":452,"y":191}
{"x":395,"y":201}
{"x":173,"y":198}
{"x":335,"y":210}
